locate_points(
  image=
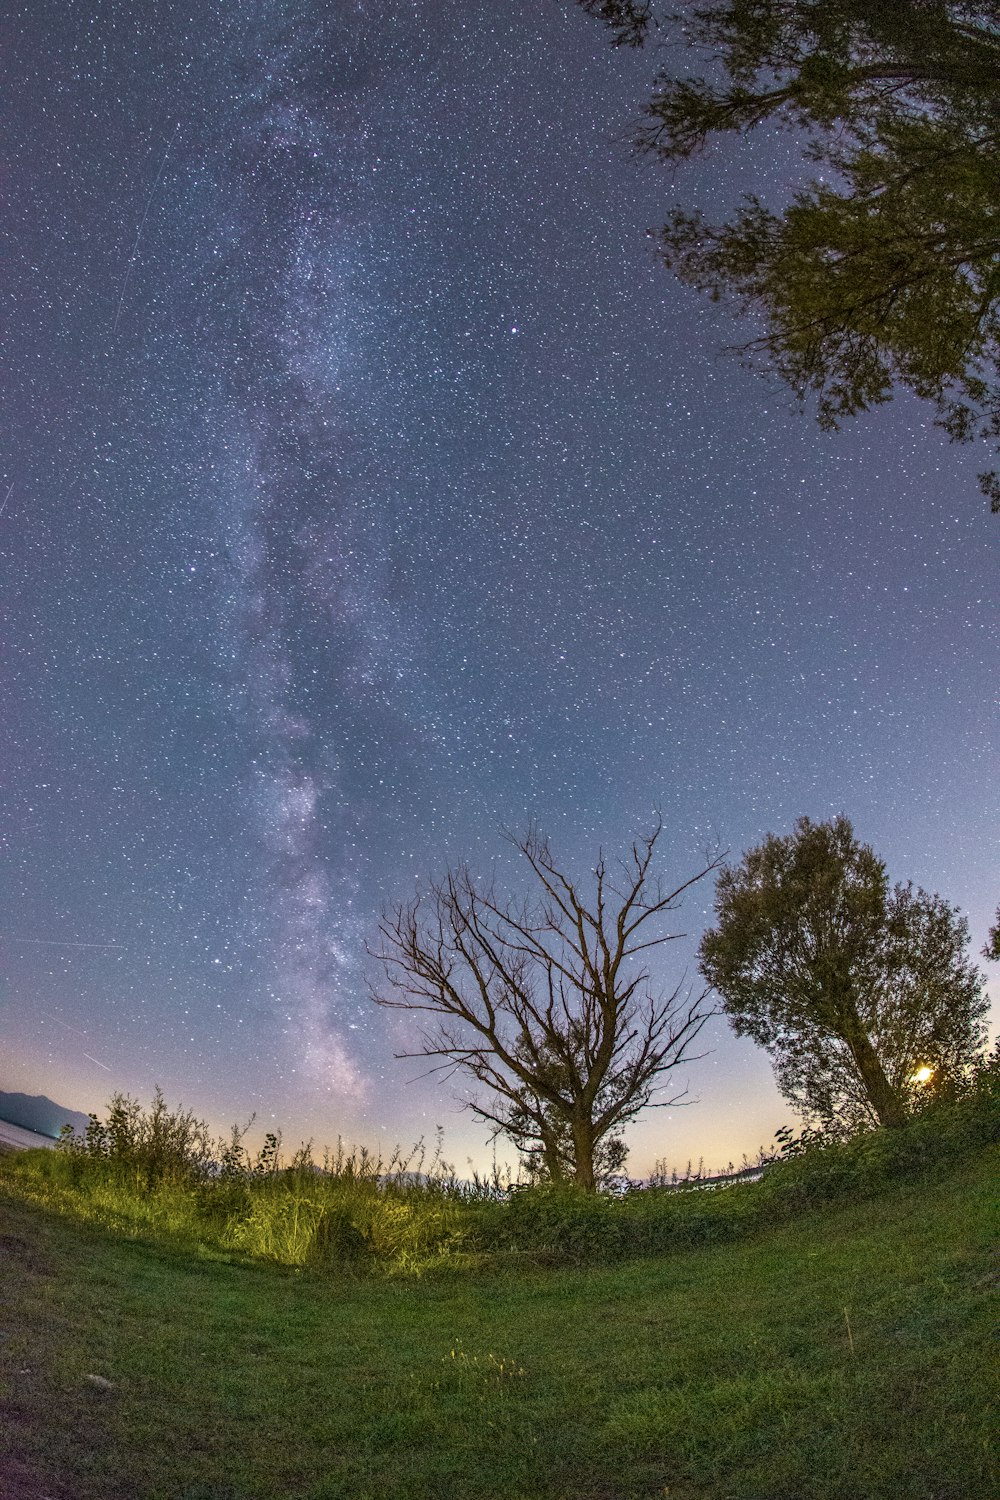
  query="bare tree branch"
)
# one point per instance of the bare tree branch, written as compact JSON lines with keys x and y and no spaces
{"x":546,"y":1004}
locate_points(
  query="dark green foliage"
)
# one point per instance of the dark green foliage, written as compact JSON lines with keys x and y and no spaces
{"x":154,"y":1146}
{"x":992,"y":948}
{"x":883,"y":270}
{"x":557,"y":1224}
{"x":851,"y":987}
{"x":165,"y":1146}
{"x":811,"y":1138}
{"x":629,"y":21}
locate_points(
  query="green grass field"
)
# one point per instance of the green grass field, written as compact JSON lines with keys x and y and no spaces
{"x":845,"y":1354}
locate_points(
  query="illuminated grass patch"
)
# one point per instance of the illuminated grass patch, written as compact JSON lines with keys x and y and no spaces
{"x":844,"y":1353}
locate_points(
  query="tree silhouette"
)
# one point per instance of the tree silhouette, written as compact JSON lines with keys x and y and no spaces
{"x":884,"y":270}
{"x":851,"y":987}
{"x":547,"y":1003}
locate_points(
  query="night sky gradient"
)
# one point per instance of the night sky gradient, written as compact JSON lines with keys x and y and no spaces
{"x":370,"y":486}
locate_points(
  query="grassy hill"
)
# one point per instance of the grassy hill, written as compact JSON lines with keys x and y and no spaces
{"x":844,"y":1353}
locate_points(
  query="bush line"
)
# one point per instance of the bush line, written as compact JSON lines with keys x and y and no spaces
{"x":158,"y":1175}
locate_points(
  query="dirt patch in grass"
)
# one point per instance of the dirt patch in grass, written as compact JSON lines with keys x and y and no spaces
{"x":20,"y":1254}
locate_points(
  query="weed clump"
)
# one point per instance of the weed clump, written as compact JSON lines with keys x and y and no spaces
{"x":159,"y":1172}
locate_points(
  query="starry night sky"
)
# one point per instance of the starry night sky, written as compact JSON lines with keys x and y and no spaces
{"x":369,"y":486}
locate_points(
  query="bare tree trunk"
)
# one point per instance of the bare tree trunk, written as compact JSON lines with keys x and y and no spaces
{"x":883,"y":1097}
{"x":583,"y":1152}
{"x":553,"y":1161}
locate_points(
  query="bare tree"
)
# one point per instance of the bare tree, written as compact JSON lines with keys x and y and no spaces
{"x":547,"y":1003}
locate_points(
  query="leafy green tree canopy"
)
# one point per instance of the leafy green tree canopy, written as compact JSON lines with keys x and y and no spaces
{"x":858,"y":992}
{"x":884,"y":270}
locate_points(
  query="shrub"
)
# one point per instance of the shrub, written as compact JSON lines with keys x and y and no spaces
{"x":154,"y":1174}
{"x":152,"y":1147}
{"x":553,"y":1220}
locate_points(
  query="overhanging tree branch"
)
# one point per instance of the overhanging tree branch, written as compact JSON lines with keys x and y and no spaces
{"x":901,"y":101}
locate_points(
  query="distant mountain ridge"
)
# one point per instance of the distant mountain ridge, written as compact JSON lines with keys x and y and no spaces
{"x":38,"y":1113}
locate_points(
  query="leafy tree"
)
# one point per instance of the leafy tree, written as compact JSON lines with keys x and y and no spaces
{"x":547,"y":1003}
{"x":628,"y":20}
{"x":884,"y":270}
{"x":851,"y":987}
{"x":992,"y":948}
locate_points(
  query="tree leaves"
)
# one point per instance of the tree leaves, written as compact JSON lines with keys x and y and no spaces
{"x":849,"y":986}
{"x":883,"y":271}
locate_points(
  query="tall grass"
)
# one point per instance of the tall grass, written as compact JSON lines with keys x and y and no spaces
{"x":158,"y":1173}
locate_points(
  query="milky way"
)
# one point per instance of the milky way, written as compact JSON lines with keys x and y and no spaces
{"x":369,"y":487}
{"x":308,"y":611}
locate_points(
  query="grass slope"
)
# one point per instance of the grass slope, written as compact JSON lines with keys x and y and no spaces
{"x":843,"y":1356}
